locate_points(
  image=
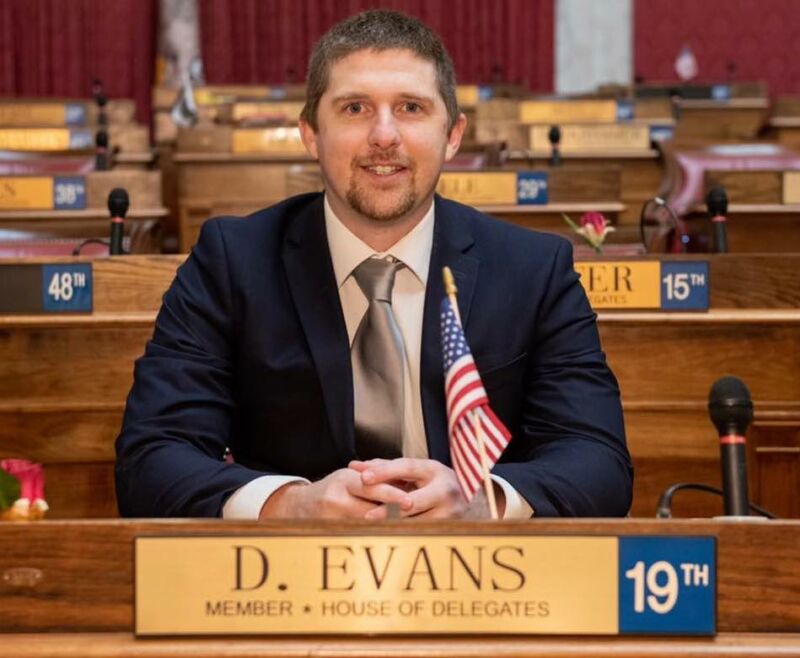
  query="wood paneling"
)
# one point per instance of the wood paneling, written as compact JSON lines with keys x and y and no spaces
{"x":65,"y":379}
{"x":752,"y":228}
{"x":124,"y":645}
{"x":747,"y":186}
{"x":210,"y":182}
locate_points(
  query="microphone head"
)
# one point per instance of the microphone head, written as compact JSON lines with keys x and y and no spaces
{"x":717,"y":201}
{"x":118,"y":202}
{"x":554,"y":135}
{"x":730,"y":406}
{"x":101,"y":139}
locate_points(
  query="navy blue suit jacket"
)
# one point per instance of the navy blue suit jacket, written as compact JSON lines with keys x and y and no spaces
{"x":250,"y":352}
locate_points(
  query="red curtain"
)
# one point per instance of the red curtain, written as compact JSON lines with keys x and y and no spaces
{"x":746,"y":40}
{"x":251,"y":41}
{"x":57,"y":47}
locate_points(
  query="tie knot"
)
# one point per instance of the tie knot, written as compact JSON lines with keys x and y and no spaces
{"x":375,"y":277}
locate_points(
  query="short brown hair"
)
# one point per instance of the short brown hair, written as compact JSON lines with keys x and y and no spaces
{"x":378,"y":29}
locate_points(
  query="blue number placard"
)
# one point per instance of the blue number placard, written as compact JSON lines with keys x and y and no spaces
{"x":74,"y":114}
{"x":67,"y":288}
{"x":667,"y":585}
{"x":485,"y":93}
{"x":661,"y":133}
{"x":721,"y":92}
{"x":69,"y":193}
{"x":684,"y":286}
{"x":532,"y":187}
{"x":80,"y":138}
{"x":625,"y":110}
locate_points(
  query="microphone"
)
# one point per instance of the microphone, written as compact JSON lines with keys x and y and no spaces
{"x":102,"y":162}
{"x":102,"y":100}
{"x":118,"y":207}
{"x":555,"y":139}
{"x":731,"y":411}
{"x":717,"y":204}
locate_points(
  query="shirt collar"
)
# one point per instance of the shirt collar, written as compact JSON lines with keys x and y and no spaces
{"x":348,"y":251}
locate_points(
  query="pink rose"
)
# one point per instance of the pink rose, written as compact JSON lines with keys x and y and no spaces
{"x":595,"y":220}
{"x":29,"y":475}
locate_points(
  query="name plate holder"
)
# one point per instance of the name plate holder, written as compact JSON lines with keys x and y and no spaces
{"x":42,"y":114}
{"x":33,"y":289}
{"x":46,"y":139}
{"x":573,"y":111}
{"x":498,"y":584}
{"x":42,"y":193}
{"x":652,"y":285}
{"x":581,"y":138}
{"x":275,"y":141}
{"x":479,"y":188}
{"x":286,"y":111}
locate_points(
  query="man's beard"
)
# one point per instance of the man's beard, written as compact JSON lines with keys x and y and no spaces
{"x":367,"y":203}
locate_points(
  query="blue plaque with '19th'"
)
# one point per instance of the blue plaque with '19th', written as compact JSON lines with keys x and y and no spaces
{"x":667,"y":585}
{"x":67,"y":288}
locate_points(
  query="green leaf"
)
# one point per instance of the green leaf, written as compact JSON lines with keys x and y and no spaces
{"x":9,"y":490}
{"x":572,"y":224}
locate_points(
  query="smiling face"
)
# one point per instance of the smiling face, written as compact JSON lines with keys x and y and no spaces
{"x":381,"y":137}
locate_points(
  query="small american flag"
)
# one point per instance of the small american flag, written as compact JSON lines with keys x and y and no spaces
{"x":467,"y":403}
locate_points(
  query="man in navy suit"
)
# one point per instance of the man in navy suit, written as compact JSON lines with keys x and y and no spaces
{"x":252,"y":347}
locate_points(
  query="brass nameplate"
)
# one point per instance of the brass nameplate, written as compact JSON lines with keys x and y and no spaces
{"x":376,"y":584}
{"x":42,"y":192}
{"x":568,"y":111}
{"x":32,"y":114}
{"x":657,"y":285}
{"x":216,"y":95}
{"x":34,"y":139}
{"x":578,"y":138}
{"x":479,"y":187}
{"x":791,"y":187}
{"x":621,"y":284}
{"x":278,"y":141}
{"x":26,"y":192}
{"x":286,"y":111}
{"x":467,"y":95}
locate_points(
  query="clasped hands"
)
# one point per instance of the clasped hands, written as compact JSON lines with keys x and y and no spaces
{"x":420,"y":488}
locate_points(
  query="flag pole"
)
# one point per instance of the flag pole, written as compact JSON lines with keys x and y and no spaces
{"x":451,"y":290}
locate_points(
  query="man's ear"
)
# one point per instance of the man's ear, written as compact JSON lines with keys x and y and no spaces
{"x":309,"y":137}
{"x":454,"y":138}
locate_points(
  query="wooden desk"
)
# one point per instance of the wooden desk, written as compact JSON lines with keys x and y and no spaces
{"x":65,"y":379}
{"x":83,"y":604}
{"x":211,"y":184}
{"x":641,"y":174}
{"x":52,"y":112}
{"x":709,"y":121}
{"x":759,"y":218}
{"x":142,"y":222}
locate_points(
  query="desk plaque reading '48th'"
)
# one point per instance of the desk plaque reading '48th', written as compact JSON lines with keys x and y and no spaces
{"x":461,"y":584}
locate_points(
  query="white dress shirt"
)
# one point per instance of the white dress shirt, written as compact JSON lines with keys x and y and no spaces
{"x":408,"y":302}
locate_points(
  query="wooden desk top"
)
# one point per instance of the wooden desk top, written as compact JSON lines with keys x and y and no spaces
{"x":123,"y":645}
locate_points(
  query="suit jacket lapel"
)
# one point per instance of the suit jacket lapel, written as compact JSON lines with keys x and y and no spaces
{"x":309,"y":270}
{"x":452,"y":239}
